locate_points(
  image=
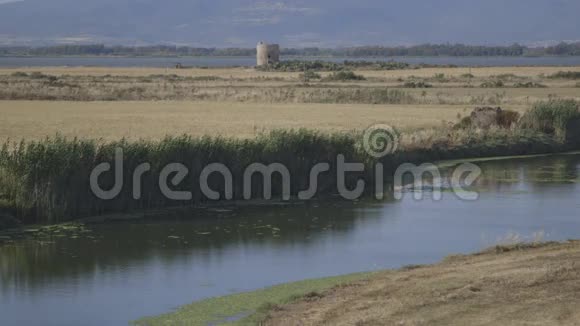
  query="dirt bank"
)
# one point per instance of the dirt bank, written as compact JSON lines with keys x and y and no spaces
{"x":518,"y":285}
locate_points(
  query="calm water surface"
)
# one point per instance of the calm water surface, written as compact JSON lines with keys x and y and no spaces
{"x":122,"y":271}
{"x":251,"y":61}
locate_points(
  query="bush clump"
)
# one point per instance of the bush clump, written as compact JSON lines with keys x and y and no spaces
{"x":529,"y":85}
{"x":551,"y":117}
{"x":566,"y":75}
{"x":344,"y":76}
{"x":507,"y":118}
{"x":492,"y":84}
{"x":319,"y":65}
{"x":419,"y":84}
{"x":19,"y":74}
{"x":310,"y":75}
{"x":487,"y":117}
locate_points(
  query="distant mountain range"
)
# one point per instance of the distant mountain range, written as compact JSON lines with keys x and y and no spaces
{"x":296,"y":23}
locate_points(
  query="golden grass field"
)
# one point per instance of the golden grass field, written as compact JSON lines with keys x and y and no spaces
{"x":111,"y":103}
{"x":114,"y":120}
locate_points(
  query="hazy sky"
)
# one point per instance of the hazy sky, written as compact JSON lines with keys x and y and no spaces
{"x":290,"y":23}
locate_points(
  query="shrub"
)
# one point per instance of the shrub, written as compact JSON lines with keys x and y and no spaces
{"x":39,"y":75}
{"x":529,"y":85}
{"x":566,"y":75}
{"x":206,"y":78}
{"x":467,"y":76}
{"x":19,"y":74}
{"x":492,"y":84}
{"x":309,"y":75}
{"x":464,"y":123}
{"x":344,"y":76}
{"x":318,"y":65}
{"x":420,"y":84}
{"x":507,"y":118}
{"x":500,"y":118}
{"x":551,"y":117}
{"x":366,"y":95}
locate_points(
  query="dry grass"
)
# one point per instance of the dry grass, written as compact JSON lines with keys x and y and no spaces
{"x":242,"y":102}
{"x":522,"y":285}
{"x":449,"y":86}
{"x":153,"y":120}
{"x":142,"y":71}
{"x":250,"y":72}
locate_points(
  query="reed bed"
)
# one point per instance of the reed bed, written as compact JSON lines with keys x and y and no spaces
{"x":48,"y":181}
{"x":555,"y":117}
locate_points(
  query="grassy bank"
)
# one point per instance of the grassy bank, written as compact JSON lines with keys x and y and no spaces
{"x":246,"y":308}
{"x":506,"y":284}
{"x":48,"y":181}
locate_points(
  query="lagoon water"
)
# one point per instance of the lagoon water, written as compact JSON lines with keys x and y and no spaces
{"x":161,"y":62}
{"x":122,"y":271}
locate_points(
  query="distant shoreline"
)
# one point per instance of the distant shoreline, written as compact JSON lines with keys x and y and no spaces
{"x":250,"y":61}
{"x":286,"y":56}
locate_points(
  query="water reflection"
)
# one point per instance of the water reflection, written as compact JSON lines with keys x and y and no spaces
{"x":528,"y":173}
{"x":130,"y":270}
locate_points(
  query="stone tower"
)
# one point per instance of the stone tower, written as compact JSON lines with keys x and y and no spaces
{"x":267,"y":54}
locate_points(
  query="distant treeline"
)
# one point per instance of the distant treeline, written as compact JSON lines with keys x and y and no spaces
{"x":562,"y":49}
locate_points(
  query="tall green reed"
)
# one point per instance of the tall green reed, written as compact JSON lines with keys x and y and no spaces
{"x":48,"y":180}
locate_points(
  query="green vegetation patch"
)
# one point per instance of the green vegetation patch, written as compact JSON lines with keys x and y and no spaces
{"x":246,"y":308}
{"x":551,"y":117}
{"x":492,"y":84}
{"x":310,"y":75}
{"x":419,"y":84}
{"x":529,"y":85}
{"x":566,"y":75}
{"x":319,"y":65}
{"x":344,"y":76}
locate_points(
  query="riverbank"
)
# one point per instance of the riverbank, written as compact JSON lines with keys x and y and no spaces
{"x":508,"y":285}
{"x":150,"y":267}
{"x":513,"y":285}
{"x":194,"y":117}
{"x":247,"y":308}
{"x":50,"y":181}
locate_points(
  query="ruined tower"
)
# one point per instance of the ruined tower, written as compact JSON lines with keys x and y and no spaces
{"x":267,"y":54}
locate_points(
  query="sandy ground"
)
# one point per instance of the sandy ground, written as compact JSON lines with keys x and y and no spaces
{"x":513,"y":286}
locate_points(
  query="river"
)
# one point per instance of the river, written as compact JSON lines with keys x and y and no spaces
{"x":161,"y":62}
{"x":121,"y":271}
